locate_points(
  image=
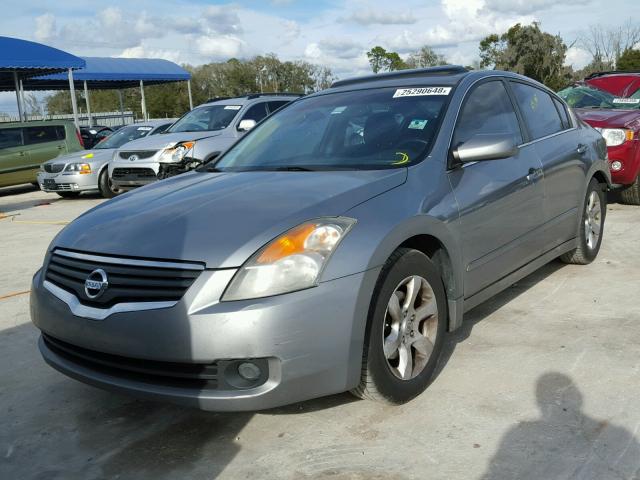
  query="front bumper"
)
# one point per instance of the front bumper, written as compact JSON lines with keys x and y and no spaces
{"x":65,"y":182}
{"x":628,"y":154}
{"x":133,"y":174}
{"x":310,"y":341}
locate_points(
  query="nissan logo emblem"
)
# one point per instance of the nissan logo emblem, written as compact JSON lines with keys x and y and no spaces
{"x":133,"y":158}
{"x":96,"y":283}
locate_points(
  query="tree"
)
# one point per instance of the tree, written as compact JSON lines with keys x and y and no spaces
{"x":384,"y":61}
{"x":629,"y":60}
{"x":425,"y":57}
{"x":529,"y":51}
{"x":607,"y":44}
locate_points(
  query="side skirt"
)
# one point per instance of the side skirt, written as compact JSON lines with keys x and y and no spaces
{"x":519,"y":274}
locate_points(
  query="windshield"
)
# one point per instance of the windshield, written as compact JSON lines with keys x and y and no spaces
{"x":206,"y":119}
{"x":588,"y":97}
{"x":366,"y":129}
{"x":123,"y":135}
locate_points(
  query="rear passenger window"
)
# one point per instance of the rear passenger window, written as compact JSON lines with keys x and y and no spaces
{"x":61,"y":132}
{"x":566,"y":123}
{"x":10,"y":137}
{"x":487,"y":110}
{"x":538,"y":110}
{"x":40,"y":134}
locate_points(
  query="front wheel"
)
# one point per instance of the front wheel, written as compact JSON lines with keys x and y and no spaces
{"x":631,"y":194}
{"x":106,"y":186}
{"x":591,"y":227}
{"x":405,"y":331}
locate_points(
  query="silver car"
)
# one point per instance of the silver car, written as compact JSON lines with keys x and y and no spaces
{"x":330,"y":249}
{"x":198,"y":137}
{"x":86,"y":170}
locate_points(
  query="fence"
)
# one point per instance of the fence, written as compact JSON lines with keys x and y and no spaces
{"x":107,"y":119}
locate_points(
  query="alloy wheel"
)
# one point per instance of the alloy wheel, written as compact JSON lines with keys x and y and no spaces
{"x":410,"y":328}
{"x":592,"y":220}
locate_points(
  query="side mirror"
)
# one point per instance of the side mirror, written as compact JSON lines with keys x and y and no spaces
{"x":246,"y":125}
{"x":485,"y":147}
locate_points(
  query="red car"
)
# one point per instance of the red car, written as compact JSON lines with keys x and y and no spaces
{"x":620,"y":84}
{"x":617,"y":118}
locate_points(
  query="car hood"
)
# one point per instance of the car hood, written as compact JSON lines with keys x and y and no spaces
{"x":164,"y":140}
{"x":85,"y":156}
{"x":610,"y":118}
{"x":219,"y":218}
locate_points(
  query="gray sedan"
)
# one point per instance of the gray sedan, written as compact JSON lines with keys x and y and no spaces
{"x":330,"y":249}
{"x":87,"y":170}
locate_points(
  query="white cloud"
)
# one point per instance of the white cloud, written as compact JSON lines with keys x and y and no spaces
{"x":523,"y":7}
{"x":143,"y":52}
{"x":577,"y":58}
{"x":45,"y":27}
{"x":219,"y":47}
{"x":222,"y":19}
{"x":376,"y":17}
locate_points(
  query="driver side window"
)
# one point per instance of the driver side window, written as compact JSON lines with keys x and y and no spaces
{"x":487,"y":110}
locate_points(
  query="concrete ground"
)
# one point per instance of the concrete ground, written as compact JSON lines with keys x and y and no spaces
{"x":542,"y":382}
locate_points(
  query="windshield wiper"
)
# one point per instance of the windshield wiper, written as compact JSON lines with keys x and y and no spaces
{"x":293,"y":168}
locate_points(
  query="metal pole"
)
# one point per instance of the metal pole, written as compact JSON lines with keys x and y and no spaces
{"x":121,"y":106}
{"x":74,"y":105}
{"x":190,"y":97}
{"x":17,"y":84}
{"x":144,"y":104}
{"x":24,"y":109}
{"x":88,"y":102}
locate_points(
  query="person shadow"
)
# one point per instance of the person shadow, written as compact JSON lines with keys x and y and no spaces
{"x":564,"y":443}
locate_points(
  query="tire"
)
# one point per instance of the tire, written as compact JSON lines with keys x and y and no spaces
{"x":593,"y":216}
{"x":107,"y":189}
{"x":631,"y":194}
{"x":386,"y":377}
{"x":69,"y":194}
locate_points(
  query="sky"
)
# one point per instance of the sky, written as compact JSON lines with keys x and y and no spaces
{"x":335,"y":33}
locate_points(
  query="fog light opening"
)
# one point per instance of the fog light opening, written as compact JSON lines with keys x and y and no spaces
{"x":249,"y":371}
{"x":616,"y":166}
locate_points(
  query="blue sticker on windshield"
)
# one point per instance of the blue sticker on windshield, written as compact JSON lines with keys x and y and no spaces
{"x":418,"y":124}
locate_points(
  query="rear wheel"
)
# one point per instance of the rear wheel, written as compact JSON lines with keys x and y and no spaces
{"x":631,"y":194}
{"x":405,"y":330}
{"x":591,"y":227}
{"x":69,"y":194}
{"x":106,"y":186}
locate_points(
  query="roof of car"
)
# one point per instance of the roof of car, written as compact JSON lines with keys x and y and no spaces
{"x":242,"y":99}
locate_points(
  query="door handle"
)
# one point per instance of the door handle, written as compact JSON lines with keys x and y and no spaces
{"x":534,"y":174}
{"x":581,"y":149}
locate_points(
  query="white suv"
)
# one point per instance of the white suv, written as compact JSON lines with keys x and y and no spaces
{"x":197,"y":137}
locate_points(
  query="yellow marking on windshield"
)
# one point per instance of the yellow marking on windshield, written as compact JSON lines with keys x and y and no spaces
{"x":404,"y":159}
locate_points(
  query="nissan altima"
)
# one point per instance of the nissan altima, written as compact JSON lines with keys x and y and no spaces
{"x":330,"y":249}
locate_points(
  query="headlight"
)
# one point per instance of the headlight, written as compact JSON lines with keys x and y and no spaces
{"x":81,"y":168}
{"x":615,"y":136}
{"x":176,"y":153}
{"x":292,"y":261}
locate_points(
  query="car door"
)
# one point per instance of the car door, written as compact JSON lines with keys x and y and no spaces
{"x":44,"y":143}
{"x":501,"y":202}
{"x":14,"y":159}
{"x":558,"y":146}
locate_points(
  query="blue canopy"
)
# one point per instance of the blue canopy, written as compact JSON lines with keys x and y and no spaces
{"x":31,"y":58}
{"x":106,"y":73}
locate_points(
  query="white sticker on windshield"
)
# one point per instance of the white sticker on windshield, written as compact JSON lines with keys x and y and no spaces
{"x":145,"y":129}
{"x":233,"y":107}
{"x":418,"y":124}
{"x":422,"y":91}
{"x":631,"y":101}
{"x":338,"y":110}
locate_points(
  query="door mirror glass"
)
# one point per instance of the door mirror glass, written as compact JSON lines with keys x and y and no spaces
{"x":246,"y":125}
{"x":486,"y":147}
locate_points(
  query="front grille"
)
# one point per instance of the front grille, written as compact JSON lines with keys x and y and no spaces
{"x":128,"y":280}
{"x":141,"y":154}
{"x":53,"y":167}
{"x":134,"y":173}
{"x":190,"y":375}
